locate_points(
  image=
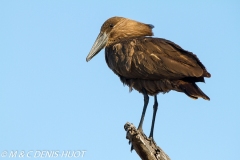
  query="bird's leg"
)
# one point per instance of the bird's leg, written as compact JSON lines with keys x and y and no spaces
{"x":155,"y":107}
{"x":146,"y":99}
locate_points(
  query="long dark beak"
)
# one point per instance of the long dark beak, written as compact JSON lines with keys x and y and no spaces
{"x":98,"y":45}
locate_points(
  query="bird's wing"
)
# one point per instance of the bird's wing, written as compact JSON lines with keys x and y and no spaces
{"x":152,"y":58}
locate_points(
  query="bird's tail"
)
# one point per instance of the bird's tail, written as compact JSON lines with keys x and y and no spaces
{"x":192,"y":90}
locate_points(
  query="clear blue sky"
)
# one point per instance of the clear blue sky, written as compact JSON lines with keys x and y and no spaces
{"x":52,"y":99}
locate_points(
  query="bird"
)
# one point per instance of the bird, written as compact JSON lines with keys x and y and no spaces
{"x":148,"y":64}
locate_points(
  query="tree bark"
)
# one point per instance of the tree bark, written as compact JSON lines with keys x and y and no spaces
{"x":145,"y":147}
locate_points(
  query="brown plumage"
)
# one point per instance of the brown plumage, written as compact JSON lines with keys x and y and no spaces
{"x":147,"y":64}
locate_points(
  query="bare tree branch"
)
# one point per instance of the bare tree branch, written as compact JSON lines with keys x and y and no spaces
{"x":146,"y":148}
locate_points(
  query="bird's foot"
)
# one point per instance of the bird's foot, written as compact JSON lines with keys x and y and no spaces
{"x":131,"y":146}
{"x":151,"y":140}
{"x":130,"y":143}
{"x":130,"y":130}
{"x":141,"y":131}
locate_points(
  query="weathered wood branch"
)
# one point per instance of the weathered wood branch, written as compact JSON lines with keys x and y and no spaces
{"x":146,"y":148}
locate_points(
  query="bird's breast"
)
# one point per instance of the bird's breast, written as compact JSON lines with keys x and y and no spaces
{"x":119,"y":58}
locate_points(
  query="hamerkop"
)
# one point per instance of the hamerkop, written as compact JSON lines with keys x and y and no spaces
{"x":148,"y":64}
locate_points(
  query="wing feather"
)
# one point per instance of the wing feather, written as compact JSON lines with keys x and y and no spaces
{"x":152,"y":58}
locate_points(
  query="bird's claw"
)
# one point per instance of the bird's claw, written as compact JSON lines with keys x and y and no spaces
{"x":151,"y":140}
{"x":131,"y":146}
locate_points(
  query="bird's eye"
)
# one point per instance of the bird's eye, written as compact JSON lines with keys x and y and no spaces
{"x":111,"y":25}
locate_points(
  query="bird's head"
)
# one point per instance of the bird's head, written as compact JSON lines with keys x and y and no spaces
{"x":116,"y":29}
